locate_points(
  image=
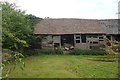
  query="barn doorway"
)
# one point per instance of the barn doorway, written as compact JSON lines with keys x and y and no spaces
{"x":67,"y":40}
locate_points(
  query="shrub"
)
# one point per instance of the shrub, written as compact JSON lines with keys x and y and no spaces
{"x":77,"y":51}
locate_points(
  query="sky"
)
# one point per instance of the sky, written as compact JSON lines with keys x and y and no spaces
{"x":84,"y":9}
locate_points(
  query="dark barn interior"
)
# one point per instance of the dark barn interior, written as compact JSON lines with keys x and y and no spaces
{"x":67,"y":40}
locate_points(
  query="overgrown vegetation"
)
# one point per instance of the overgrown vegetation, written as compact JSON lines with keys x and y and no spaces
{"x":44,"y":52}
{"x":10,"y":57}
{"x":18,"y":41}
{"x":17,"y":34}
{"x":77,"y":51}
{"x":17,"y":28}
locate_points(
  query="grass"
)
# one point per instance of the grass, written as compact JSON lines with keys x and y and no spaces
{"x":66,"y":66}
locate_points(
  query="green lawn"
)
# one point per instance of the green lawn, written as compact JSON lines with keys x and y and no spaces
{"x":66,"y":66}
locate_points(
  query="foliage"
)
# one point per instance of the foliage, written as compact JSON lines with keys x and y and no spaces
{"x":77,"y":51}
{"x":17,"y":28}
{"x":33,"y":40}
{"x":17,"y":34}
{"x":50,"y":51}
{"x":33,"y":19}
{"x":58,"y":51}
{"x":46,"y":51}
{"x":6,"y":54}
{"x":10,"y":58}
{"x":43,"y":52}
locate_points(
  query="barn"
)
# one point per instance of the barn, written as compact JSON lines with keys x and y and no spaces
{"x":76,"y":33}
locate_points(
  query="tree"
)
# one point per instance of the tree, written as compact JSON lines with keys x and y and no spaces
{"x":16,"y":33}
{"x":18,"y":28}
{"x":15,"y":27}
{"x":33,"y":40}
{"x":33,"y":19}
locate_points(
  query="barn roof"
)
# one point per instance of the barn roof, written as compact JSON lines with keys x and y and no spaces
{"x":69,"y":26}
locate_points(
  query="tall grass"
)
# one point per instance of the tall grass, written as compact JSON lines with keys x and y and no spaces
{"x":44,"y":51}
{"x":77,"y":51}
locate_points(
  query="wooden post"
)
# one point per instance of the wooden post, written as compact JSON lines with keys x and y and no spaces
{"x":60,"y":41}
{"x":111,"y":40}
{"x":74,"y":41}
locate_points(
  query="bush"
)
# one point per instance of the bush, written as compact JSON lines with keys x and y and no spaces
{"x":77,"y":51}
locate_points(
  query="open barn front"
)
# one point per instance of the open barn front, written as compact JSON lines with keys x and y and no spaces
{"x":67,"y":41}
